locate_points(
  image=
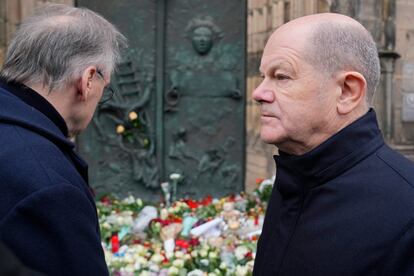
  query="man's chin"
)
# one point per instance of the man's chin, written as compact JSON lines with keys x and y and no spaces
{"x":271,"y":138}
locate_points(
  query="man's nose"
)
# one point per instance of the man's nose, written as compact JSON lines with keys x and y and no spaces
{"x":263,"y":94}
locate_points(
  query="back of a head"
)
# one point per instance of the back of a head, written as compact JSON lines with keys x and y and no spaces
{"x":335,"y":46}
{"x":54,"y":45}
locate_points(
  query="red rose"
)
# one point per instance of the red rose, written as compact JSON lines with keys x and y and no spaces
{"x":194,"y":242}
{"x":207,"y":200}
{"x":192,"y":204}
{"x":106,"y":200}
{"x":182,"y":244}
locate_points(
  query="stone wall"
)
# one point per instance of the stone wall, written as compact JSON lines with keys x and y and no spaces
{"x":403,"y":80}
{"x":11,"y":14}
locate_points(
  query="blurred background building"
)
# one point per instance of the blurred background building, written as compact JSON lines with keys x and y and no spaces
{"x":389,"y":21}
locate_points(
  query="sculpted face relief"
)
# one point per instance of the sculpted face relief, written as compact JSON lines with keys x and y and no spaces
{"x":202,"y":40}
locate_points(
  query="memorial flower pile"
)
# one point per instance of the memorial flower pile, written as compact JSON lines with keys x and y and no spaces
{"x":210,"y":236}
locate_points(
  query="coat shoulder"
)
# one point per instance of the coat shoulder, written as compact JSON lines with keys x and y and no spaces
{"x":398,"y":163}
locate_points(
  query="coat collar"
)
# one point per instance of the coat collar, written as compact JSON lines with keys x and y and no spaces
{"x":34,"y":99}
{"x":14,"y":110}
{"x":337,"y":154}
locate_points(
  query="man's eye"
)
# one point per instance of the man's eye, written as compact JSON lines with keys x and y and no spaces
{"x":282,"y":77}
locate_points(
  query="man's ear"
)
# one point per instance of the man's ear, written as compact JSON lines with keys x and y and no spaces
{"x":85,"y":82}
{"x":353,"y":91}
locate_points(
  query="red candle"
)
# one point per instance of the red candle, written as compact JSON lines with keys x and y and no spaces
{"x":115,"y":243}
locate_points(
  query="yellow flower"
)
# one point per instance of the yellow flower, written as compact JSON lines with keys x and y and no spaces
{"x":132,"y":115}
{"x":146,"y":142}
{"x":120,"y":129}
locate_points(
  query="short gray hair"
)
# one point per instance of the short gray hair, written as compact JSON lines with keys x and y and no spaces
{"x":342,"y":46}
{"x":57,"y":43}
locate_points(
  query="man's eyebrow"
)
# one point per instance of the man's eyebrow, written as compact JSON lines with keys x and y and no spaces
{"x":276,"y":64}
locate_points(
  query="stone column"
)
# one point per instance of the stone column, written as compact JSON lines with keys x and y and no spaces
{"x":387,"y":69}
{"x":388,"y":56}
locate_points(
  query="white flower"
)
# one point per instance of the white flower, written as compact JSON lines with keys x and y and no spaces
{"x":223,"y":265}
{"x":143,"y":261}
{"x":196,"y":272}
{"x":127,"y":270}
{"x":194,"y":253}
{"x":137,"y":265}
{"x":154,"y":268}
{"x":120,"y":220}
{"x":128,"y":259}
{"x":140,"y":249}
{"x":129,"y":200}
{"x":241,"y":270}
{"x":178,"y":263}
{"x":250,"y":265}
{"x":212,"y":255}
{"x":179,"y":254}
{"x":128,"y":220}
{"x":205,"y":262}
{"x":203,"y":253}
{"x":106,"y":225}
{"x":241,"y":252}
{"x":175,"y":176}
{"x":267,"y":182}
{"x":173,"y":270}
{"x":108,"y":257}
{"x":157,"y":258}
{"x":169,"y":255}
{"x":139,"y":202}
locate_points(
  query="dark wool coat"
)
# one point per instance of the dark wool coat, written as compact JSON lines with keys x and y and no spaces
{"x":11,"y":266}
{"x":48,"y":216}
{"x":344,"y":208}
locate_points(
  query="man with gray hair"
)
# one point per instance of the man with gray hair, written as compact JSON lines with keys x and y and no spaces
{"x":342,"y":202}
{"x":57,"y":69}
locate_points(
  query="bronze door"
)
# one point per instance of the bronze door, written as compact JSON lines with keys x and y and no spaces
{"x":183,"y":78}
